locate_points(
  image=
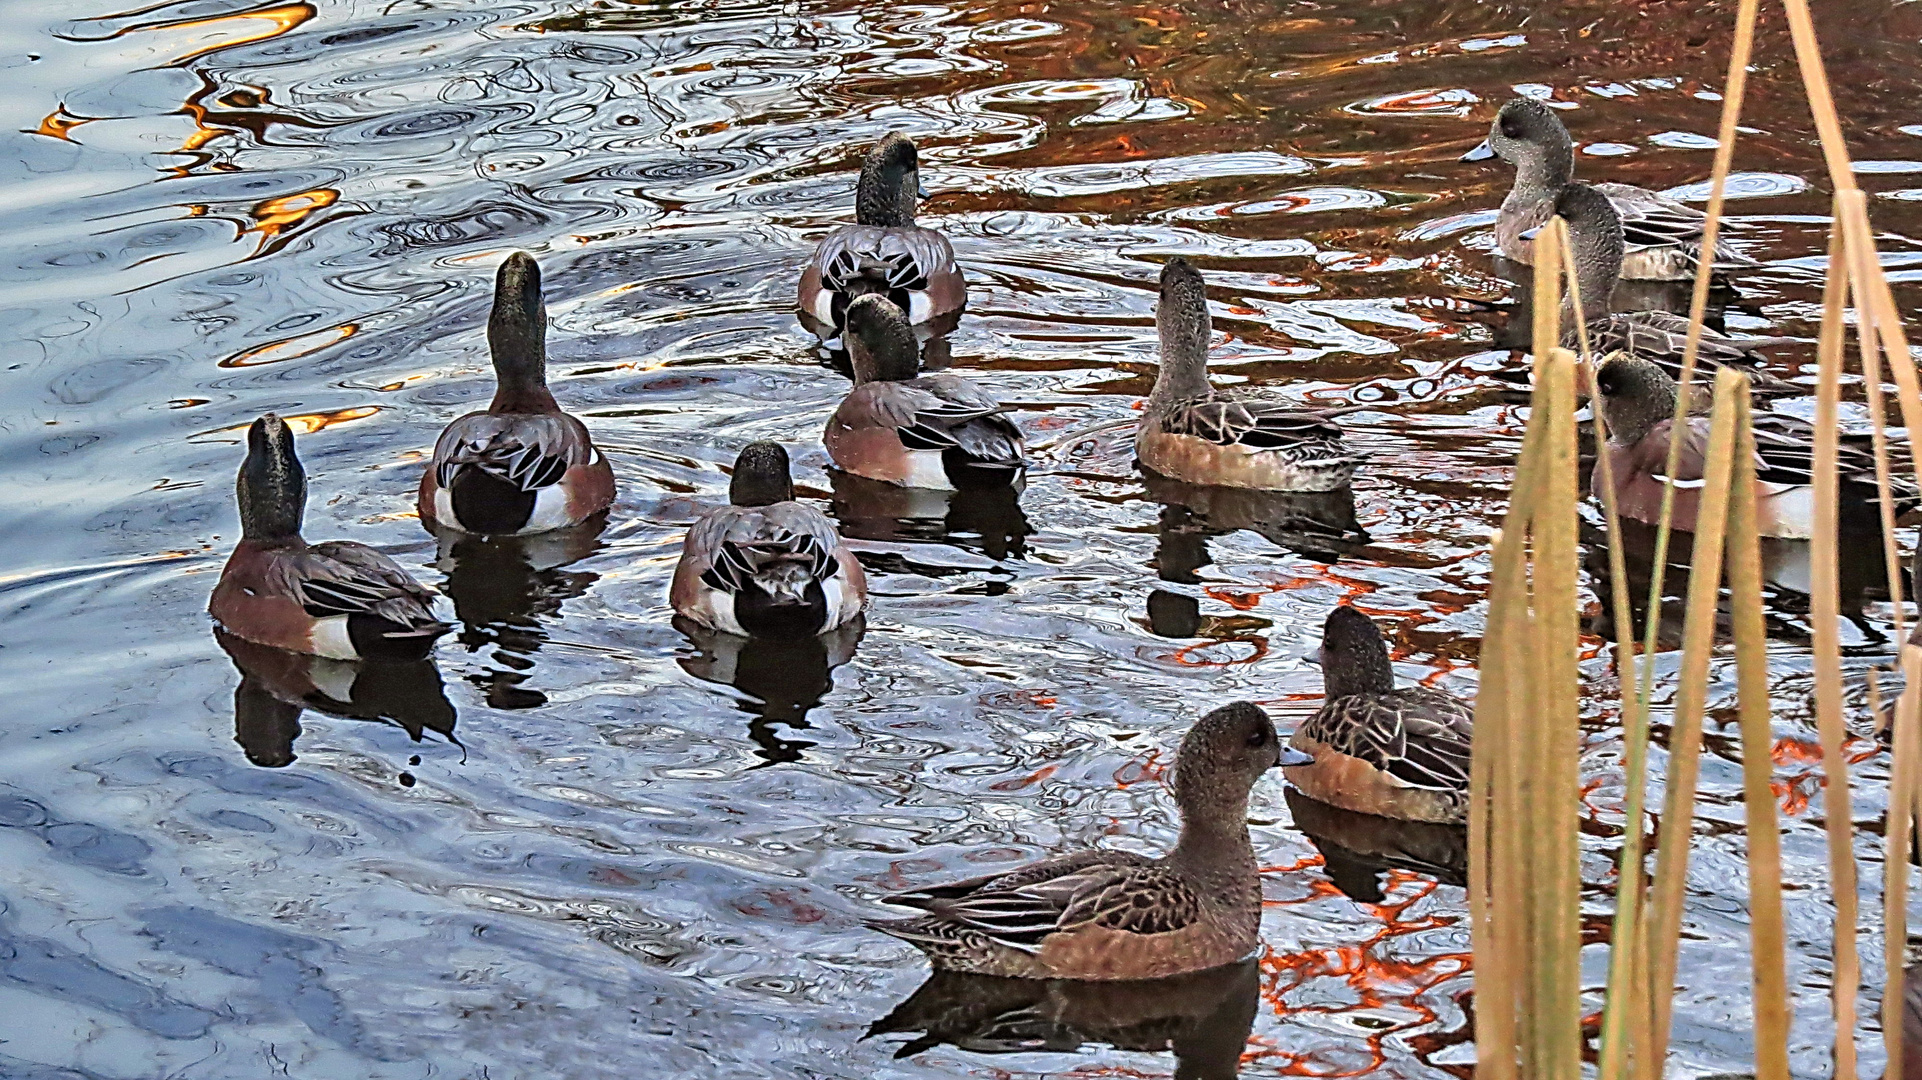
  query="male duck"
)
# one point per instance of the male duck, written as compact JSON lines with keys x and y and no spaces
{"x":1595,"y":234}
{"x":1194,"y":433}
{"x":1638,"y":402}
{"x":523,"y":466}
{"x":1108,"y":914}
{"x":765,"y":565}
{"x":884,"y":251}
{"x":340,"y":600}
{"x":936,"y":431}
{"x":1664,"y":237}
{"x":1378,"y":750}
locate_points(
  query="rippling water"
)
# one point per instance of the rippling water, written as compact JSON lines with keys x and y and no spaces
{"x":583,"y":843}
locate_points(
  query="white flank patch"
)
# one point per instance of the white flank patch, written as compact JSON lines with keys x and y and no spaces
{"x":1792,"y":508}
{"x":331,"y":641}
{"x":716,"y":608}
{"x":824,"y":307}
{"x":550,"y":510}
{"x":925,"y":471}
{"x":841,"y":606}
{"x":920,"y":307}
{"x":444,"y":509}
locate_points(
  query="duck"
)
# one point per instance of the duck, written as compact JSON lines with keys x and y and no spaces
{"x":339,"y":599}
{"x":1663,"y":236}
{"x":1638,"y":402}
{"x":522,"y":466}
{"x":1394,"y":753}
{"x":1595,"y":235}
{"x":939,"y":432}
{"x":1196,"y":434}
{"x":765,"y":565}
{"x":884,"y":252}
{"x":1103,"y":914}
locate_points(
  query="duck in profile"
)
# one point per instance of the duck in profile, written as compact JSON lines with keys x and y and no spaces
{"x":1638,"y":403}
{"x":523,"y":466}
{"x":1199,"y":435}
{"x":765,"y":565}
{"x":1378,"y":750}
{"x":933,"y":431}
{"x":339,"y":599}
{"x":884,"y":252}
{"x":1595,"y":235}
{"x":1663,"y":236}
{"x":1106,"y":914}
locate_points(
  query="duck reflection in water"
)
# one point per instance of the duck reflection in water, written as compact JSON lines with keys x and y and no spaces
{"x":503,"y":587}
{"x":988,"y":518}
{"x":1203,"y":1017}
{"x":781,"y":679}
{"x":1319,"y":525}
{"x":276,"y":686}
{"x":1357,"y":849}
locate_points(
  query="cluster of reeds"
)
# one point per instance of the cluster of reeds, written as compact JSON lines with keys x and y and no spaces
{"x":1524,"y":884}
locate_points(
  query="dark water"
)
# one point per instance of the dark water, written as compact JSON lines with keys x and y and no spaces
{"x":585,"y":845}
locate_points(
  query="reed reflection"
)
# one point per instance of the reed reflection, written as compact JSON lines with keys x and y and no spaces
{"x":1204,"y":1018}
{"x":987,"y":519}
{"x":505,"y":589}
{"x":276,"y":686}
{"x":1319,"y":525}
{"x":781,"y":679}
{"x":1357,"y":849}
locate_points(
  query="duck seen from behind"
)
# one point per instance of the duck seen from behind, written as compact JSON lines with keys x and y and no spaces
{"x":1663,"y":236}
{"x":522,"y":466}
{"x":1199,"y":435}
{"x":1394,"y":753}
{"x":884,"y":252}
{"x":765,"y":565}
{"x":1638,"y":404}
{"x":338,"y":599}
{"x":929,"y":431}
{"x":1105,"y":914}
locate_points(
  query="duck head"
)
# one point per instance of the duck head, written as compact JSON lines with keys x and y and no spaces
{"x":880,"y":341}
{"x":1528,"y":135}
{"x":1184,"y":325}
{"x":272,"y":487}
{"x":890,"y":183}
{"x":517,"y":337}
{"x":1636,"y":395}
{"x":1354,"y":657}
{"x":761,"y":476}
{"x":1220,"y":759}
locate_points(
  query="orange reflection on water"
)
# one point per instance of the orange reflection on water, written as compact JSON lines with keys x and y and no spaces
{"x":292,"y":348}
{"x":278,"y":214}
{"x":302,"y":423}
{"x":59,"y":122}
{"x":225,"y":31}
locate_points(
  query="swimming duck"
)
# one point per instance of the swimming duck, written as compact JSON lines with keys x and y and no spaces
{"x":1638,"y":401}
{"x":765,"y":565}
{"x":523,"y":466}
{"x":1663,"y":236}
{"x":1197,"y":434}
{"x":338,"y":599}
{"x":884,"y":251}
{"x":1107,"y":914}
{"x":1595,"y":235}
{"x":936,"y":431}
{"x":1378,"y":750}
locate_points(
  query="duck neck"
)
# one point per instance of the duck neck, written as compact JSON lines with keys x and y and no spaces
{"x":1183,"y":374}
{"x":272,"y":494}
{"x":885,"y":195}
{"x":1630,"y":421}
{"x":517,"y":339}
{"x":1540,"y":177}
{"x":1214,"y":833}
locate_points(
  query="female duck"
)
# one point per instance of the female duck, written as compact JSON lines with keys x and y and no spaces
{"x":523,"y":466}
{"x":884,"y":251}
{"x":1378,"y":750}
{"x":937,"y":431}
{"x":1105,"y":914}
{"x":1664,"y":237}
{"x":1638,"y":402}
{"x":340,"y":600}
{"x":765,"y":565}
{"x":1197,"y":434}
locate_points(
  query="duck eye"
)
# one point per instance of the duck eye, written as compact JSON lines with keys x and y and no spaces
{"x":1258,"y":737}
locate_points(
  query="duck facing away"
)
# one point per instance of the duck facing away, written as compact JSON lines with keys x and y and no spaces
{"x":933,"y":431}
{"x":765,"y":565}
{"x":338,"y":599}
{"x":1379,"y":750}
{"x":884,"y":252}
{"x":523,"y":466}
{"x":1595,"y":235}
{"x":1663,"y":236}
{"x":1638,"y":403}
{"x":1114,"y":914}
{"x":1194,"y":433}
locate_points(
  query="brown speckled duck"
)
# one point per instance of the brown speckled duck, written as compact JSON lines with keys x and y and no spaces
{"x":884,"y":251}
{"x":1199,"y":435}
{"x":1113,"y":914}
{"x":338,"y":599}
{"x":1376,"y":749}
{"x":522,"y":466}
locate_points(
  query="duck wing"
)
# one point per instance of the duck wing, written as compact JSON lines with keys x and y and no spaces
{"x":1660,"y":336}
{"x":340,"y":577}
{"x":947,"y":412}
{"x":857,"y":259}
{"x":528,"y":451}
{"x":730,"y":545}
{"x":1653,"y":220}
{"x":1417,"y":736}
{"x":1259,"y":424}
{"x":1116,"y":890}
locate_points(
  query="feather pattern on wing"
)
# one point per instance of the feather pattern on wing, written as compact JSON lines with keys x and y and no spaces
{"x":1114,"y":890}
{"x":942,"y":412}
{"x":1417,"y":736}
{"x":731,"y":545}
{"x":340,"y":577}
{"x":856,"y":259}
{"x":1259,"y":424}
{"x":1653,"y":220}
{"x":529,"y":451}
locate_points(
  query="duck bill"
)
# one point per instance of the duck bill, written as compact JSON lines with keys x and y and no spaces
{"x":1289,"y":757}
{"x":1480,"y":153}
{"x":1531,"y":233}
